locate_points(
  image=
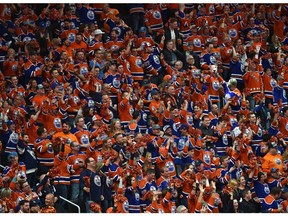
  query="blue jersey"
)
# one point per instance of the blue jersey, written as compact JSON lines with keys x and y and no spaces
{"x":262,"y":190}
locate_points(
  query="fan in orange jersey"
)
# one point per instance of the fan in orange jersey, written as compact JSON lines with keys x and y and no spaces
{"x":134,"y":61}
{"x":114,"y":44}
{"x":125,"y":109}
{"x":11,"y":65}
{"x":31,"y":127}
{"x":75,"y":157}
{"x":153,"y":19}
{"x":108,"y":13}
{"x":66,"y":136}
{"x":81,"y":65}
{"x":282,"y":122}
{"x":52,"y":114}
{"x":15,"y":88}
{"x":162,"y":203}
{"x":166,"y":158}
{"x":62,"y":180}
{"x":279,"y":25}
{"x":96,"y":43}
{"x":68,"y":32}
{"x":197,"y":41}
{"x":273,"y":159}
{"x":79,"y":44}
{"x":39,"y":99}
{"x":18,"y":112}
{"x":44,"y":151}
{"x":81,"y":133}
{"x":228,"y":26}
{"x":143,"y":38}
{"x":213,"y":82}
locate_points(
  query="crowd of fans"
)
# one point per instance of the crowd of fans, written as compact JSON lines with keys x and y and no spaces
{"x":161,"y":108}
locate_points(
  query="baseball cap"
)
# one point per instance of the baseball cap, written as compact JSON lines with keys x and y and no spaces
{"x":155,"y":126}
{"x":13,"y":154}
{"x":285,"y":190}
{"x":166,"y":127}
{"x":272,"y":145}
{"x":148,"y":44}
{"x":154,"y":92}
{"x":233,"y":81}
{"x":198,"y":162}
{"x":98,"y":31}
{"x":39,"y":86}
{"x":274,"y":170}
{"x":143,"y":29}
{"x":10,"y":122}
{"x":183,"y":126}
{"x":54,"y":85}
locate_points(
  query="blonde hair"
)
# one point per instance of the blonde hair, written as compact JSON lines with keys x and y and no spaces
{"x":233,"y":183}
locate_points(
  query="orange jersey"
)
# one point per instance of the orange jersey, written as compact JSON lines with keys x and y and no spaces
{"x":213,"y":87}
{"x":82,"y":46}
{"x":11,"y":68}
{"x":153,"y":19}
{"x":82,"y":135}
{"x":198,"y":43}
{"x":94,"y":45}
{"x":140,"y":42}
{"x":37,"y":100}
{"x":113,"y":47}
{"x":69,"y":137}
{"x":269,"y":84}
{"x":44,"y":151}
{"x":253,"y":81}
{"x":69,"y":34}
{"x":283,"y":126}
{"x":136,"y":68}
{"x":31,"y":130}
{"x":153,"y":108}
{"x":73,"y":159}
{"x":226,"y":55}
{"x":51,"y":122}
{"x":82,"y":67}
{"x":125,"y":110}
{"x":271,"y":161}
{"x":64,"y":176}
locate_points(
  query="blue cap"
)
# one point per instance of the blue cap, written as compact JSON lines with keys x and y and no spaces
{"x":285,"y":190}
{"x":42,"y":25}
{"x":143,"y":29}
{"x":11,"y":25}
{"x":10,"y":122}
{"x":274,"y":170}
{"x":184,"y":126}
{"x":54,"y":85}
{"x":13,"y":154}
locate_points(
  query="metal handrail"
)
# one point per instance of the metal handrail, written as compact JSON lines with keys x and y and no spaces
{"x":78,"y":207}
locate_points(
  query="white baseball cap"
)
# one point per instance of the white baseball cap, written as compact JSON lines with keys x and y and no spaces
{"x":98,"y":31}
